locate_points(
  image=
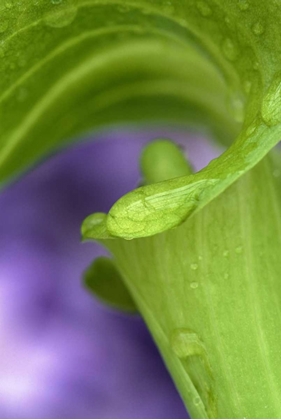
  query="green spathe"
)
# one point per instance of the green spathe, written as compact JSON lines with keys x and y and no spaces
{"x":71,"y":66}
{"x":208,"y":289}
{"x":220,"y":339}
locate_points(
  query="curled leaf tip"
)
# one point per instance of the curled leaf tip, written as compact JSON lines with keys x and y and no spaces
{"x":155,"y":208}
{"x":94,"y":227}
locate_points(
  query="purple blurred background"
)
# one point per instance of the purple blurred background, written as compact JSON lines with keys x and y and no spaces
{"x":63,"y":354}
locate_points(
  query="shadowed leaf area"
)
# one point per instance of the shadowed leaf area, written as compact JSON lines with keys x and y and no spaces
{"x":103,"y":279}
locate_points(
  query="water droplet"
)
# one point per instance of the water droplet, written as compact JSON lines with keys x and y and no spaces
{"x":188,"y":347}
{"x":236,"y":105}
{"x":194,"y":285}
{"x":197,"y":400}
{"x":4,"y":24}
{"x":203,"y":8}
{"x":168,"y":7}
{"x":258,"y":29}
{"x":243,"y":5}
{"x":186,"y":343}
{"x":225,"y":253}
{"x":194,"y":266}
{"x":62,"y":14}
{"x":239,"y":250}
{"x":271,"y":104}
{"x":229,"y":50}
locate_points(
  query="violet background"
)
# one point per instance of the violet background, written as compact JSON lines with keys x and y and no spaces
{"x":62,"y":353}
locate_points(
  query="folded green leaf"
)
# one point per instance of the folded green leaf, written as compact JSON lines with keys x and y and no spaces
{"x":210,"y":292}
{"x":68,"y":67}
{"x":71,"y":66}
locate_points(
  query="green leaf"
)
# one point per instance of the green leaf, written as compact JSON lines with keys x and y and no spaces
{"x":210,"y":291}
{"x":68,"y":67}
{"x":104,"y":280}
{"x":72,"y":66}
{"x":205,"y":61}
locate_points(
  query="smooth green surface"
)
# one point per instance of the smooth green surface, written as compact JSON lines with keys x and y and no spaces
{"x":210,"y":292}
{"x":161,"y":160}
{"x":94,"y":225}
{"x":74,"y":66}
{"x":104,"y":280}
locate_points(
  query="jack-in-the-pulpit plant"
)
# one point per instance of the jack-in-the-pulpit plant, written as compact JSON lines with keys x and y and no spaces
{"x":197,"y":254}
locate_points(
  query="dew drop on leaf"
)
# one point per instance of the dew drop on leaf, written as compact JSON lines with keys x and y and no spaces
{"x":258,"y":29}
{"x":186,"y":343}
{"x":168,"y":7}
{"x":236,"y":105}
{"x":271,"y":104}
{"x":194,"y":285}
{"x":239,"y":250}
{"x":243,"y":5}
{"x":229,"y":50}
{"x":62,"y":14}
{"x":197,"y":401}
{"x":203,"y":8}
